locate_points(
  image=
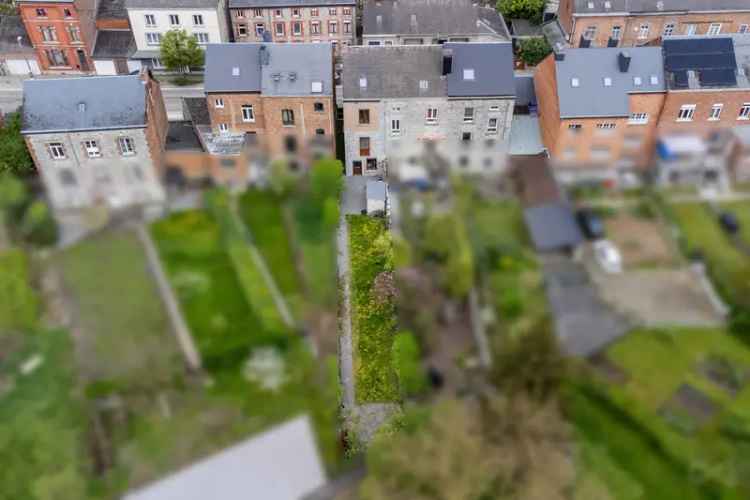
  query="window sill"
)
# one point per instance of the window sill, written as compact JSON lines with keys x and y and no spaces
{"x":713,"y":119}
{"x":248,"y":121}
{"x":743,"y":119}
{"x":683,"y":120}
{"x":637,"y":123}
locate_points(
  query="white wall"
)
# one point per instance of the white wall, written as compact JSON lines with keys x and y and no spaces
{"x":22,"y":66}
{"x":211,"y":24}
{"x":134,"y":65}
{"x":105,"y":67}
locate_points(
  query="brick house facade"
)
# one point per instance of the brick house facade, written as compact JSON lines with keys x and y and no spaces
{"x":62,"y":33}
{"x":591,"y":23}
{"x":333,"y":21}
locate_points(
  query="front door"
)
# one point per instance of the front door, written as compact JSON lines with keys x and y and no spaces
{"x":357,"y":168}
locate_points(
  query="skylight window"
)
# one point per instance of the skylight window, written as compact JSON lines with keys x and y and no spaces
{"x":362,"y":82}
{"x":637,"y":81}
{"x":424,"y":84}
{"x":591,"y":5}
{"x":316,"y":87}
{"x":236,"y":71}
{"x":575,"y":82}
{"x":468,"y":74}
{"x":654,"y":80}
{"x":607,"y":5}
{"x":607,"y":81}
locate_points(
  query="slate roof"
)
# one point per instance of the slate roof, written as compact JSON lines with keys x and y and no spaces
{"x":433,"y":17}
{"x":171,"y":4}
{"x":240,"y":4}
{"x":290,"y":68}
{"x":591,"y":66}
{"x":634,"y":6}
{"x":195,"y":109}
{"x":181,"y":136}
{"x":11,"y":27}
{"x":89,"y":103}
{"x":114,"y":43}
{"x":112,"y":9}
{"x":401,"y":71}
{"x":279,"y":464}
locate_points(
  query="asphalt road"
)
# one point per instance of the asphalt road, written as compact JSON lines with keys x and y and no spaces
{"x":11,"y":97}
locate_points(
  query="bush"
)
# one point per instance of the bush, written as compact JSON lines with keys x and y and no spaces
{"x":533,"y":50}
{"x":38,"y":226}
{"x":522,"y":9}
{"x":408,"y":365}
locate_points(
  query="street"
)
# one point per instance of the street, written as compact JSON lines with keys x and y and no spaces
{"x":11,"y":96}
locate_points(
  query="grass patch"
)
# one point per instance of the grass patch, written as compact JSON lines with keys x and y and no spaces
{"x":373,"y":319}
{"x":18,"y":302}
{"x":317,"y":246}
{"x":741,"y":210}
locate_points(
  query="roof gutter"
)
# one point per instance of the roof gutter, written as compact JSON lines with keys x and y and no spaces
{"x":71,"y":130}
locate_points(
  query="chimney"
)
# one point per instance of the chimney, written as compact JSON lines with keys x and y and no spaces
{"x":263,"y":55}
{"x":623,"y":61}
{"x":447,"y":61}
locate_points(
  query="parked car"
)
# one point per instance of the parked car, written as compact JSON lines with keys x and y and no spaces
{"x":591,"y":224}
{"x":608,"y":256}
{"x":729,"y":223}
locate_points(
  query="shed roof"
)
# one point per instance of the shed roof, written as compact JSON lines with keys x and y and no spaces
{"x":112,"y":9}
{"x":90,"y":103}
{"x":270,"y":68}
{"x":433,"y":17}
{"x":280,"y":464}
{"x":114,"y":43}
{"x":590,"y":68}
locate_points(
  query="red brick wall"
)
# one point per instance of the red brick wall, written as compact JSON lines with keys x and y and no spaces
{"x":704,"y":100}
{"x":157,"y":124}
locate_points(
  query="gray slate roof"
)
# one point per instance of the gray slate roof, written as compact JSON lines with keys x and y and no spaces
{"x":11,"y":27}
{"x":195,"y":109}
{"x":109,"y":102}
{"x":279,"y":464}
{"x":112,"y":9}
{"x":433,"y":17}
{"x":396,"y":71}
{"x":633,"y":6}
{"x":241,"y":4}
{"x":114,"y":43}
{"x":171,"y":4}
{"x":590,"y":66}
{"x":290,"y":69}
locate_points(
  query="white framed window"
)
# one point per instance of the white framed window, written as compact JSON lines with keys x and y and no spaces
{"x":197,"y":20}
{"x":643,"y":31}
{"x":616,"y":32}
{"x":690,"y":29}
{"x":260,"y":28}
{"x":56,"y":150}
{"x":279,"y":29}
{"x":714,"y":29}
{"x":150,"y":20}
{"x":742,"y":29}
{"x":424,"y":84}
{"x":127,"y":146}
{"x":223,"y":128}
{"x":590,"y":32}
{"x":668,"y":29}
{"x":297,"y":28}
{"x":174,"y":19}
{"x":332,"y":27}
{"x":241,"y":30}
{"x":494,"y":108}
{"x":202,"y":38}
{"x":575,"y":82}
{"x":347,"y":11}
{"x":637,"y":81}
{"x":468,"y":74}
{"x":248,"y":115}
{"x":468,"y":115}
{"x":606,"y":126}
{"x":395,"y":127}
{"x":715,"y":113}
{"x":638,"y":118}
{"x":744,"y":112}
{"x":153,"y":38}
{"x":332,"y":11}
{"x":492,"y":125}
{"x":92,"y":149}
{"x":686,"y":112}
{"x":607,"y":81}
{"x":219,"y":103}
{"x":432,"y":115}
{"x":654,"y":80}
{"x":258,"y":12}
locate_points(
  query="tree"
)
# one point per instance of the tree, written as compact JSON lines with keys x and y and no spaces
{"x":533,"y":50}
{"x":522,"y":9}
{"x":38,"y":226}
{"x":13,"y":192}
{"x":180,"y":50}
{"x":407,"y":364}
{"x":14,"y":156}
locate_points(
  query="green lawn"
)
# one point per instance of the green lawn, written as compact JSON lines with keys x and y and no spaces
{"x":126,"y":335}
{"x":373,"y":321}
{"x":619,"y":422}
{"x":741,"y":209}
{"x":262,"y":213}
{"x":18,"y":302}
{"x":317,"y":246}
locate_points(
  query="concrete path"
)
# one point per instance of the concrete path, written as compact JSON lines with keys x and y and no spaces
{"x":179,"y":325}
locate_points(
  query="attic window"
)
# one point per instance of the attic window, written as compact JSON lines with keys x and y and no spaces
{"x":637,"y":81}
{"x":607,"y":81}
{"x":81,"y":107}
{"x":316,"y":87}
{"x":469,"y":74}
{"x":236,"y":71}
{"x":292,"y":76}
{"x":362,"y":82}
{"x":424,"y":84}
{"x":379,"y":19}
{"x":607,"y":5}
{"x":414,"y":19}
{"x":654,"y":80}
{"x":575,"y":82}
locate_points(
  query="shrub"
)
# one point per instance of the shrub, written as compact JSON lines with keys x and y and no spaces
{"x":533,"y":50}
{"x":38,"y":226}
{"x":407,"y":364}
{"x":522,"y":9}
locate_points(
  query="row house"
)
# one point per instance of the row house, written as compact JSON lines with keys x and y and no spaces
{"x":401,"y":102}
{"x":429,"y":22}
{"x":114,"y":45}
{"x":265,"y":102}
{"x":90,"y":147}
{"x":206,"y":20}
{"x":333,"y":21}
{"x":598,"y":111}
{"x":632,"y":23}
{"x":62,"y":33}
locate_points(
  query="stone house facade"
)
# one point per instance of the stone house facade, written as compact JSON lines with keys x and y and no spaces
{"x":455,"y":100}
{"x":92,"y":149}
{"x":333,"y":21}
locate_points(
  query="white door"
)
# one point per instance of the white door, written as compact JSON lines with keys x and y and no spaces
{"x":22,"y":66}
